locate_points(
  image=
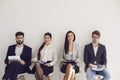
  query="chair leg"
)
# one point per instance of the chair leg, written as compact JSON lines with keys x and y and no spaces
{"x":98,"y":77}
{"x":22,"y":77}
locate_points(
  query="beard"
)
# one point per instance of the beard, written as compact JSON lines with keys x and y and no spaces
{"x":19,"y":42}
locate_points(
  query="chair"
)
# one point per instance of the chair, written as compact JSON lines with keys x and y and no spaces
{"x":98,"y":77}
{"x":44,"y":77}
{"x":21,"y":76}
{"x":76,"y":75}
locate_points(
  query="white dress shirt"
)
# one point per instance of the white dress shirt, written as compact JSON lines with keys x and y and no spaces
{"x":18,"y":50}
{"x":95,"y":48}
{"x":49,"y":53}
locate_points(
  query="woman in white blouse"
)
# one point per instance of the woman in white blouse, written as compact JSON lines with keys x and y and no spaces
{"x":71,"y":57}
{"x":47,"y":56}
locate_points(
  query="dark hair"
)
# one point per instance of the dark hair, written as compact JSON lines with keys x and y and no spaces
{"x":96,"y":32}
{"x":41,"y":47}
{"x":66,"y":44}
{"x":19,"y":33}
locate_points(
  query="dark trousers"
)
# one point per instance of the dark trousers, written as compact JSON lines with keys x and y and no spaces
{"x":12,"y":70}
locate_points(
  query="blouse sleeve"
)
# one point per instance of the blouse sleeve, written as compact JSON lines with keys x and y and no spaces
{"x":54,"y":57}
{"x":62,"y":55}
{"x":78,"y":54}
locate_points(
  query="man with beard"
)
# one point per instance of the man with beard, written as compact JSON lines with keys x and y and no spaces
{"x":16,"y":67}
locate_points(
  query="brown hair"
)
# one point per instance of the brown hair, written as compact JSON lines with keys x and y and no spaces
{"x":96,"y":32}
{"x":19,"y":33}
{"x":41,"y":47}
{"x":66,"y":44}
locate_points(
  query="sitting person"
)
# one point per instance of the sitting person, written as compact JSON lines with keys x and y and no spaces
{"x":95,"y":56}
{"x":70,"y":57}
{"x":47,"y":56}
{"x":15,"y":67}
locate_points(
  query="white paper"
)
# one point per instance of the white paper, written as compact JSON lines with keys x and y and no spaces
{"x":96,"y":68}
{"x":14,"y":58}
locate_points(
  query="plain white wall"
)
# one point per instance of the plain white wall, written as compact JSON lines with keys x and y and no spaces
{"x":35,"y":17}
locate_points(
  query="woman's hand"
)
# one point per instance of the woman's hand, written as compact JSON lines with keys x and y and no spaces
{"x":76,"y":61}
{"x":47,"y":64}
{"x":63,"y":62}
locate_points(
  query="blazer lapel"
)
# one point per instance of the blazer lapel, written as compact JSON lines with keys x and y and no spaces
{"x":23,"y":50}
{"x":74,"y":53}
{"x":14,"y":47}
{"x":92,"y":50}
{"x":98,"y":51}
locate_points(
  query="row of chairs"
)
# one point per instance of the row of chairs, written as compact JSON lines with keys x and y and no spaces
{"x":22,"y":76}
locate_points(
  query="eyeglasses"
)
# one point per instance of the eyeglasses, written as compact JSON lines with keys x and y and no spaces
{"x":95,"y":37}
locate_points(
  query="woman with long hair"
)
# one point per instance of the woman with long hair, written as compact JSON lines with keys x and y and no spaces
{"x":71,"y":57}
{"x":47,"y":56}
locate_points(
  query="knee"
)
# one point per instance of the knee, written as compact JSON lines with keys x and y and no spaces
{"x":73,"y":71}
{"x":13,"y":64}
{"x":88,"y":76}
{"x":69,"y":66}
{"x":89,"y":73}
{"x":107,"y":76}
{"x":37,"y":64}
{"x":48,"y":76}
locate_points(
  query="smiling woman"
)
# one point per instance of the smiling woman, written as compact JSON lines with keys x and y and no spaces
{"x":36,"y":17}
{"x":46,"y":58}
{"x":71,"y":57}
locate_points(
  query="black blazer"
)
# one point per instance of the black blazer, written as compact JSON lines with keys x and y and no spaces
{"x":25,"y":56}
{"x":89,"y":55}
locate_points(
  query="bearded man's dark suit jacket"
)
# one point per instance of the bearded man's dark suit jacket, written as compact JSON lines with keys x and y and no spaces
{"x":15,"y":68}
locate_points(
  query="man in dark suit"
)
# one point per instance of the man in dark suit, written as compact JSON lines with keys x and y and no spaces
{"x":13,"y":68}
{"x":95,"y":56}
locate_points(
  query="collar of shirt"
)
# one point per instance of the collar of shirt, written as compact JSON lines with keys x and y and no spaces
{"x":95,"y":49}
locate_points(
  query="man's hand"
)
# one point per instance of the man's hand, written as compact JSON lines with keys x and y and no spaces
{"x":21,"y":62}
{"x":9,"y":62}
{"x":103,"y":67}
{"x":91,"y":65}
